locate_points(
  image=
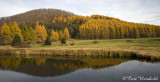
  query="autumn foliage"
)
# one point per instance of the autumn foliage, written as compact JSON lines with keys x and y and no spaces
{"x":81,"y":27}
{"x":40,"y":32}
{"x":6,"y":33}
{"x":54,"y":36}
{"x":101,"y":27}
{"x":66,"y":34}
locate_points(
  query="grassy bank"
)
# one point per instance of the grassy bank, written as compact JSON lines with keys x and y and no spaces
{"x":144,"y":47}
{"x":142,"y":42}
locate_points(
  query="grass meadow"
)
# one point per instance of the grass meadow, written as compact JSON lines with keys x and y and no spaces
{"x":73,"y":43}
{"x":145,"y":47}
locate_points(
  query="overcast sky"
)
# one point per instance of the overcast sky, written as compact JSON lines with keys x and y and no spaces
{"x":140,"y":11}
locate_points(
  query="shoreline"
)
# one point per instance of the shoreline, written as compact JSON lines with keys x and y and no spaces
{"x":151,"y":53}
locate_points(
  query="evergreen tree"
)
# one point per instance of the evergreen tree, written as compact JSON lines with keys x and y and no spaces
{"x":32,"y":35}
{"x":16,"y":40}
{"x":48,"y":41}
{"x":25,"y":32}
{"x":63,"y":41}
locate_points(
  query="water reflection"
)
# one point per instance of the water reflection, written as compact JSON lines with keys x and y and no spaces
{"x":56,"y":66}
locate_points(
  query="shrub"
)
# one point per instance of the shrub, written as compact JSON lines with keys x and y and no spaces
{"x":128,"y":41}
{"x":16,"y":40}
{"x":63,"y":41}
{"x":72,"y":43}
{"x":95,"y":42}
{"x":47,"y":41}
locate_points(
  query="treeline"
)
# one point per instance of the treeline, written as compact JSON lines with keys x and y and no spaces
{"x":71,"y":20}
{"x":72,"y":23}
{"x":101,"y":27}
{"x":81,"y":27}
{"x":104,"y":27}
{"x":9,"y":33}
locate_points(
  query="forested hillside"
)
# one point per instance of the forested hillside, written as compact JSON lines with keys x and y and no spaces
{"x":101,"y":27}
{"x":44,"y":16}
{"x":37,"y":25}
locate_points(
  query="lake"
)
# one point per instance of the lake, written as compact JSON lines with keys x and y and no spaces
{"x":78,"y":69}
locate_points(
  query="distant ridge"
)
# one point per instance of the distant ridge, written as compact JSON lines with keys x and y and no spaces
{"x":30,"y":17}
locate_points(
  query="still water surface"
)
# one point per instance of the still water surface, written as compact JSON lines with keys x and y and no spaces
{"x":77,"y":69}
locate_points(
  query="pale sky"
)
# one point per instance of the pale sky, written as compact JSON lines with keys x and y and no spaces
{"x":139,"y":11}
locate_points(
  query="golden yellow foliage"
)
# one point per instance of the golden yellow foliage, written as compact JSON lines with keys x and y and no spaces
{"x":60,"y":35}
{"x":41,"y":33}
{"x":54,"y":36}
{"x":6,"y":33}
{"x":6,"y":62}
{"x":40,"y":61}
{"x":16,"y":30}
{"x":66,"y":34}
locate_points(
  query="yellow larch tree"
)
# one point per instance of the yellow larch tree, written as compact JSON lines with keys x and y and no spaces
{"x":16,"y":30}
{"x":64,"y":20}
{"x":44,"y":33}
{"x":60,"y":19}
{"x":41,"y":33}
{"x":6,"y":33}
{"x":60,"y":35}
{"x":38,"y":32}
{"x":66,"y":34}
{"x":54,"y":36}
{"x":53,"y":21}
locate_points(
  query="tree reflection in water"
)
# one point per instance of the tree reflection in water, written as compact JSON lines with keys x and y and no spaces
{"x":55,"y":66}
